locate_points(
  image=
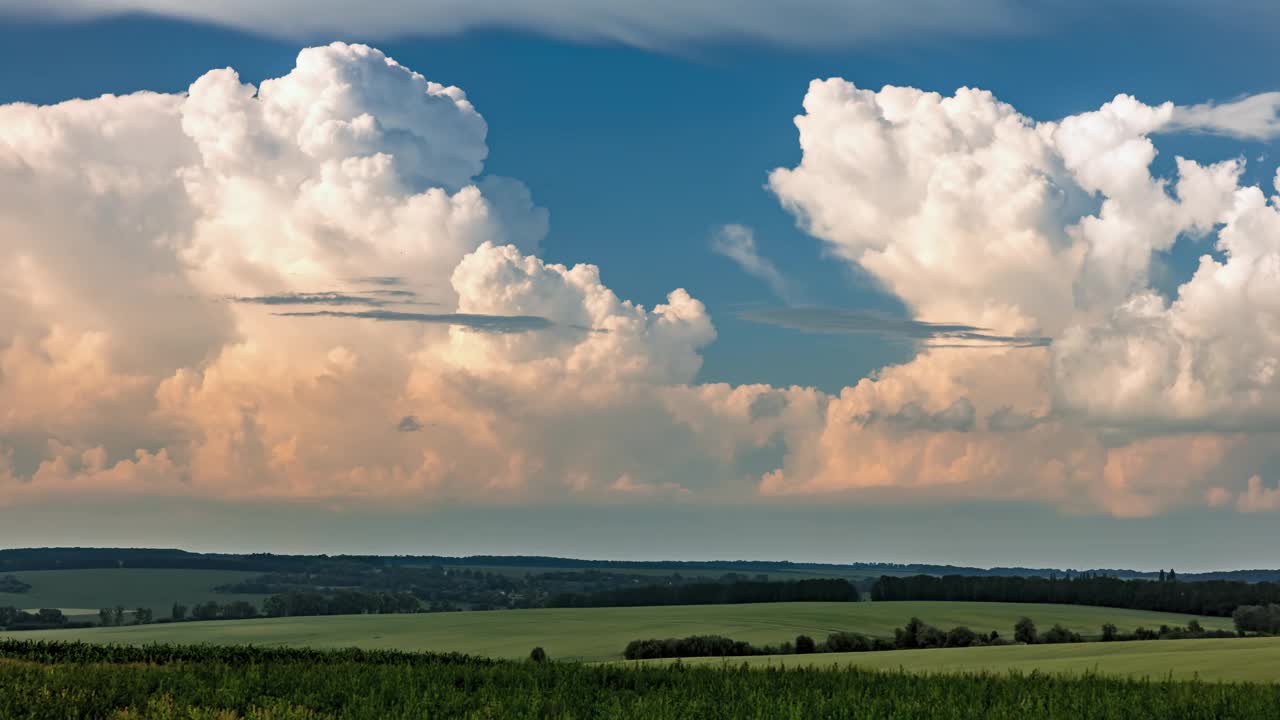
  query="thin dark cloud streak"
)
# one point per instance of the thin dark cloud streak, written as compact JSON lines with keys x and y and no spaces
{"x":409,"y":424}
{"x":497,"y":324}
{"x":386,"y":280}
{"x":836,"y":321}
{"x":312,"y":298}
{"x":361,"y":298}
{"x":391,"y":293}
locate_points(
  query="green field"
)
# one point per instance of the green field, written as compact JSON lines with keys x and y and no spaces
{"x":602,"y":633}
{"x":89,"y":590}
{"x":1226,"y":659}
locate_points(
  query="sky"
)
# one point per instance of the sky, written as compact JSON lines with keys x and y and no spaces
{"x":856,"y":282}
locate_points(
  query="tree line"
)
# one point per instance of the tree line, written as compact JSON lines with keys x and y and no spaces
{"x":303,"y":603}
{"x":915,"y":635}
{"x":1165,"y":594}
{"x":470,"y":588}
{"x":814,"y":590}
{"x":12,"y":618}
{"x":290,"y":604}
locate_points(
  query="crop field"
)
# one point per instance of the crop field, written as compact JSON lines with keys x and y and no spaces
{"x":602,"y":633}
{"x":207,"y":683}
{"x":1219,"y":659}
{"x":89,"y":590}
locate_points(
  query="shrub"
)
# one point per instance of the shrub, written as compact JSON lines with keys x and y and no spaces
{"x":908,"y":637}
{"x":961,"y":637}
{"x":931,"y":637}
{"x":693,"y":646}
{"x":1025,"y":631}
{"x":1061,"y":634}
{"x":1264,"y":619}
{"x":847,"y":642}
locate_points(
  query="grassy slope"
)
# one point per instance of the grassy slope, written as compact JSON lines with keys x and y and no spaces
{"x":1256,"y":659}
{"x":602,"y":633}
{"x":130,"y":587}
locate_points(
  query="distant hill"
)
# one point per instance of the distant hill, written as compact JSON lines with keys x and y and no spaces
{"x":85,"y":558}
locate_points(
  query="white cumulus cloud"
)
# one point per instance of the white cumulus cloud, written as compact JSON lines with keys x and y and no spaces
{"x":155,"y":242}
{"x":973,"y":213}
{"x":131,"y":220}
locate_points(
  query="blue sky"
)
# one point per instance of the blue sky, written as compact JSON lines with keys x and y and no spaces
{"x":640,"y":154}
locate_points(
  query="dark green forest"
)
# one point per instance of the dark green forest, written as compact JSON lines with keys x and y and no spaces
{"x":721,"y":593}
{"x":1168,"y":593}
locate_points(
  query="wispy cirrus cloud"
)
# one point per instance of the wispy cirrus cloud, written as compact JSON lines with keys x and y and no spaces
{"x":1253,"y":117}
{"x":738,"y":243}
{"x":660,"y":24}
{"x":845,"y":321}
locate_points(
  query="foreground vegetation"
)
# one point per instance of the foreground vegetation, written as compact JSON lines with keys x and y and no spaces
{"x":603,"y":633}
{"x":70,"y":681}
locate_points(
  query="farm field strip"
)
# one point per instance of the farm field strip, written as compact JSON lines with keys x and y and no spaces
{"x":1218,"y":659}
{"x":602,"y":633}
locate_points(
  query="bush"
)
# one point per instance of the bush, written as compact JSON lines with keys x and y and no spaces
{"x":538,"y":655}
{"x":931,"y":637}
{"x":804,"y":645}
{"x":906,"y":638}
{"x":1264,"y":619}
{"x":1061,"y":634}
{"x":693,"y":646}
{"x":962,"y":637}
{"x":1145,"y":634}
{"x":847,"y":642}
{"x":1025,"y":631}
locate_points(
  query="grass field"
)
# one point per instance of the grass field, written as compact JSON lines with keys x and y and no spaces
{"x":602,"y":633}
{"x":1229,"y":659}
{"x":89,"y":590}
